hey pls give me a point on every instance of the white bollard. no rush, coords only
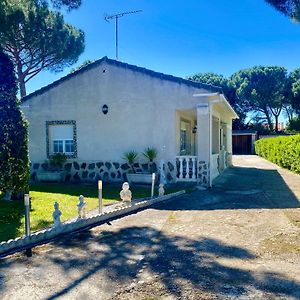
(100, 204)
(27, 215)
(152, 187)
(28, 251)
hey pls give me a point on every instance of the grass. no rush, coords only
(42, 198)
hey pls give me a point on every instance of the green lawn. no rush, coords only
(44, 195)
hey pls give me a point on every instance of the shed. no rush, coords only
(243, 141)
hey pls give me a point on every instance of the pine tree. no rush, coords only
(14, 162)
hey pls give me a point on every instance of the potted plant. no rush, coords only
(138, 176)
(53, 169)
(150, 154)
(131, 157)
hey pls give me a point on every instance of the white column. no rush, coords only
(203, 134)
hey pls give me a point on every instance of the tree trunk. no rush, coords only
(21, 79)
(276, 123)
(269, 121)
(22, 87)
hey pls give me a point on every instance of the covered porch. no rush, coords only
(204, 139)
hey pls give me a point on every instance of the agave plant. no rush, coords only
(130, 157)
(150, 153)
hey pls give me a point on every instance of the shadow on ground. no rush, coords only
(181, 262)
(240, 188)
(11, 214)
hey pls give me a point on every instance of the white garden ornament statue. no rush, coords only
(56, 215)
(81, 207)
(161, 190)
(161, 169)
(126, 194)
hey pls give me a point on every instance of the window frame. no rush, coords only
(49, 141)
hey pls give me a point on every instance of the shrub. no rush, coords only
(283, 151)
(294, 125)
(56, 162)
(14, 162)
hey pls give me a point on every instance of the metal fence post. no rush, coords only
(27, 221)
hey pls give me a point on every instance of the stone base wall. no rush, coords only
(92, 171)
(203, 173)
(229, 160)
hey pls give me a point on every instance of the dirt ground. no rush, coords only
(239, 240)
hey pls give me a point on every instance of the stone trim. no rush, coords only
(61, 122)
(228, 159)
(108, 171)
(45, 236)
(203, 173)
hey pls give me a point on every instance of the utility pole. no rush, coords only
(116, 18)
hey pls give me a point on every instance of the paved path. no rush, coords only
(240, 240)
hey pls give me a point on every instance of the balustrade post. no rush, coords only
(194, 168)
(180, 168)
(187, 173)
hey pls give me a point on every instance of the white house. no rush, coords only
(97, 113)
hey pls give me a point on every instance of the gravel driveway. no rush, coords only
(239, 240)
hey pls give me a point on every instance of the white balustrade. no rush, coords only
(186, 168)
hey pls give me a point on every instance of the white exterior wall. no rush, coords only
(141, 113)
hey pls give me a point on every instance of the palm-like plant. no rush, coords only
(150, 153)
(130, 157)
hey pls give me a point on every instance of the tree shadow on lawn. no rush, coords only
(11, 215)
(240, 188)
(118, 256)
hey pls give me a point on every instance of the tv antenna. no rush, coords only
(116, 18)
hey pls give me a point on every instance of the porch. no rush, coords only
(204, 141)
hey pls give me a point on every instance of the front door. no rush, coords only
(185, 137)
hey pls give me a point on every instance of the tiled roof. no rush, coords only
(125, 66)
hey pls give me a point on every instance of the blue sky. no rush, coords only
(185, 37)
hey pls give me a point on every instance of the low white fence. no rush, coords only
(44, 236)
(186, 168)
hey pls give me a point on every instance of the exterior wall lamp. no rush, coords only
(105, 109)
(194, 129)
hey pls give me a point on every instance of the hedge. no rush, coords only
(283, 151)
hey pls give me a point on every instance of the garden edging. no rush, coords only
(45, 236)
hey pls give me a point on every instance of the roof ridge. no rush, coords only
(124, 65)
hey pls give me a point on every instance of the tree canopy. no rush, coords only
(263, 90)
(228, 90)
(258, 94)
(290, 8)
(36, 39)
(70, 4)
(295, 90)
